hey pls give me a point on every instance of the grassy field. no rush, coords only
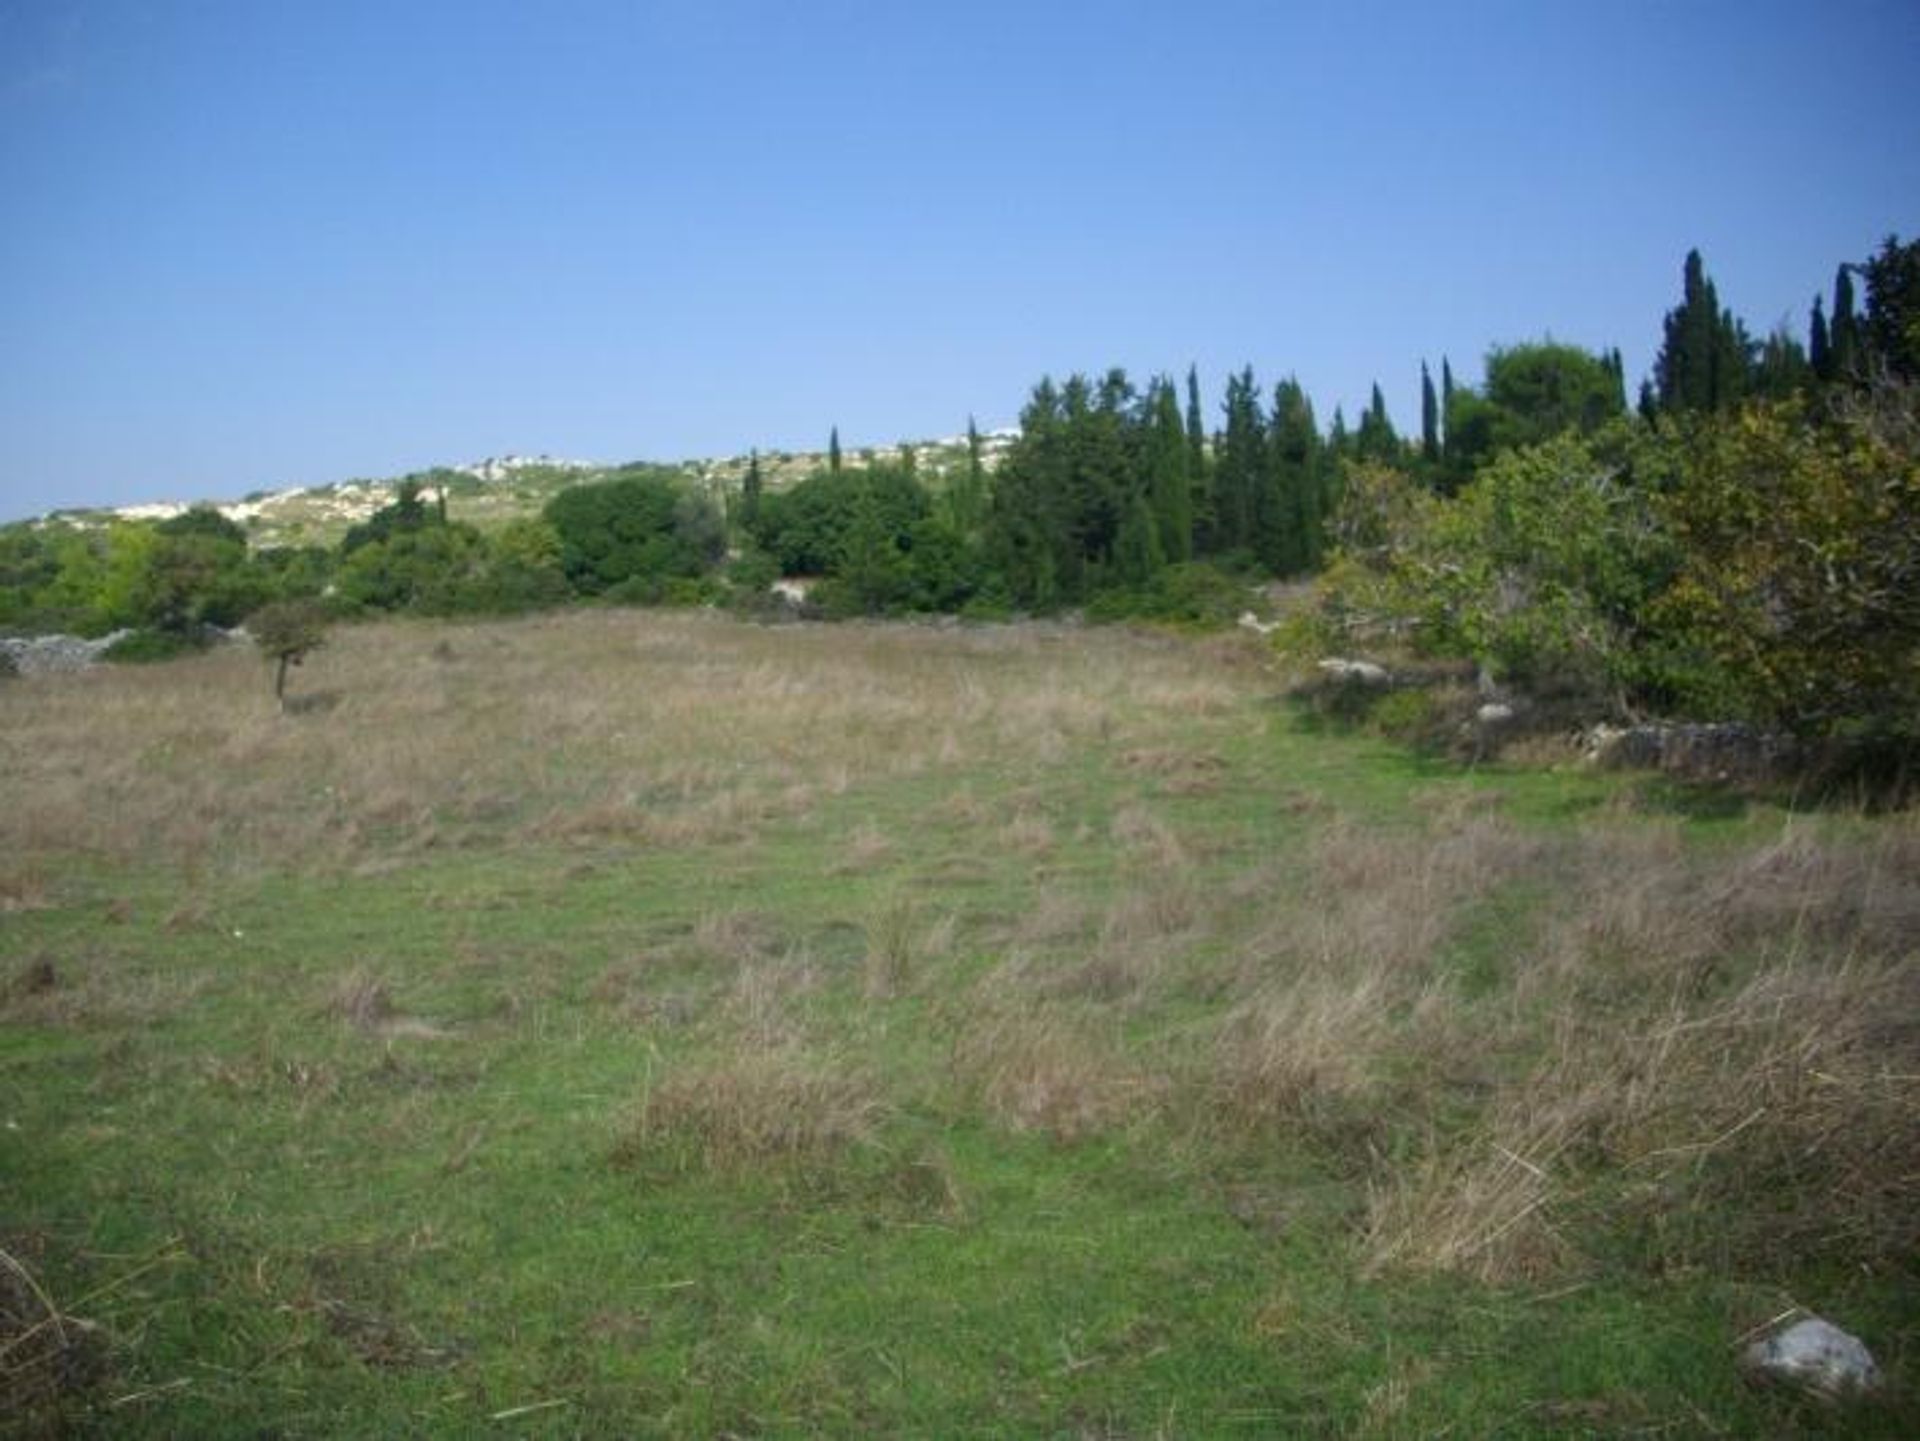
(648, 1024)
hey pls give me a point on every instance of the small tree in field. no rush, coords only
(285, 632)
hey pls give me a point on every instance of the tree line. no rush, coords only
(1537, 523)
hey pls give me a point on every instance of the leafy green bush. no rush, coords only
(1800, 575)
(140, 647)
(1192, 593)
(625, 537)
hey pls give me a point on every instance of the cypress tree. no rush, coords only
(1619, 369)
(1843, 334)
(1705, 354)
(1026, 523)
(1136, 552)
(1241, 465)
(1819, 346)
(1300, 474)
(1782, 369)
(750, 495)
(1429, 418)
(1199, 482)
(1377, 439)
(967, 502)
(833, 450)
(1196, 429)
(1890, 328)
(1168, 480)
(1446, 402)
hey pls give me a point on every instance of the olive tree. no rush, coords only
(286, 632)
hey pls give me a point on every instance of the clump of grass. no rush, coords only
(755, 1105)
(735, 938)
(1040, 1070)
(1736, 1125)
(761, 999)
(1303, 1052)
(900, 943)
(362, 1000)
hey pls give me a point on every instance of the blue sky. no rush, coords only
(249, 245)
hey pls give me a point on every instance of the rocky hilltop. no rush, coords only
(498, 489)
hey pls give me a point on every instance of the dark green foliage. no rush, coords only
(636, 528)
(197, 580)
(807, 527)
(1376, 440)
(872, 565)
(1705, 357)
(1844, 329)
(1429, 419)
(1300, 477)
(1532, 393)
(1199, 482)
(1782, 369)
(833, 450)
(1195, 594)
(287, 632)
(148, 645)
(1169, 476)
(966, 497)
(407, 513)
(1892, 325)
(521, 572)
(293, 572)
(750, 491)
(1240, 469)
(432, 570)
(1819, 343)
(203, 521)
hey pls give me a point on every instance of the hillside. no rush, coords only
(497, 489)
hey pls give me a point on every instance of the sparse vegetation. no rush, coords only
(700, 1027)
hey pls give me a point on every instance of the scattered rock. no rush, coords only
(49, 654)
(1814, 1355)
(1494, 713)
(1250, 621)
(1360, 672)
(1706, 751)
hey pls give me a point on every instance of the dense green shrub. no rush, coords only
(1194, 594)
(139, 647)
(1800, 574)
(632, 534)
(810, 527)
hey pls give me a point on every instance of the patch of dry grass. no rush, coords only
(755, 1105)
(1726, 1057)
(646, 728)
(1042, 1068)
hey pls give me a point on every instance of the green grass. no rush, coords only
(375, 1140)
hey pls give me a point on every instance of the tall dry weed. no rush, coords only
(597, 727)
(1726, 1072)
(754, 1105)
(1040, 1068)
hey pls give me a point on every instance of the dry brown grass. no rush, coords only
(755, 1105)
(644, 728)
(1726, 1051)
(1042, 1068)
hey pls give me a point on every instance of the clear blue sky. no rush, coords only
(248, 245)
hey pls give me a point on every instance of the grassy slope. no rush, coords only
(704, 1028)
